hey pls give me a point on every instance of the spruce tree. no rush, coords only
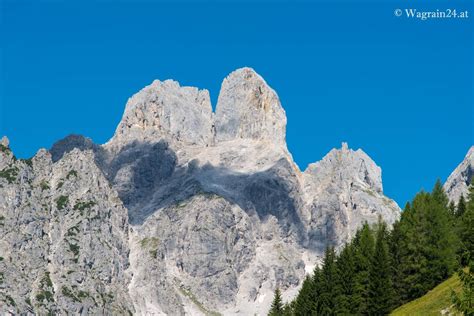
(428, 244)
(464, 301)
(364, 249)
(277, 305)
(317, 290)
(288, 309)
(345, 281)
(439, 195)
(380, 283)
(327, 298)
(395, 245)
(411, 261)
(442, 242)
(461, 208)
(306, 299)
(466, 230)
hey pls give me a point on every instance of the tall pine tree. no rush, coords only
(364, 249)
(380, 283)
(305, 303)
(327, 298)
(461, 208)
(395, 249)
(441, 237)
(466, 230)
(464, 301)
(277, 305)
(345, 282)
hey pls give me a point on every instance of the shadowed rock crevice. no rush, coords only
(138, 169)
(147, 178)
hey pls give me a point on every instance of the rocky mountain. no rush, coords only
(459, 181)
(183, 211)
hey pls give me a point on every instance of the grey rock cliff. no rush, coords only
(64, 237)
(458, 182)
(183, 211)
(248, 108)
(344, 190)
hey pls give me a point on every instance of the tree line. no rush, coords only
(382, 268)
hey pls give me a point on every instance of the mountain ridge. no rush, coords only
(214, 219)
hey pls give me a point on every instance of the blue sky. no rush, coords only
(401, 89)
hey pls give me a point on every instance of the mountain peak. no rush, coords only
(346, 164)
(458, 182)
(5, 141)
(167, 110)
(248, 108)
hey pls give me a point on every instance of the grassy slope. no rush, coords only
(433, 302)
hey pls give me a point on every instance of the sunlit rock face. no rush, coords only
(458, 182)
(183, 211)
(247, 108)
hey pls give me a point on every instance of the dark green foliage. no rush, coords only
(438, 194)
(10, 301)
(72, 231)
(427, 244)
(28, 162)
(72, 173)
(277, 305)
(395, 244)
(74, 249)
(4, 149)
(9, 174)
(364, 249)
(62, 201)
(306, 299)
(46, 289)
(345, 266)
(464, 302)
(68, 293)
(288, 309)
(380, 282)
(46, 280)
(84, 205)
(466, 227)
(461, 208)
(44, 185)
(328, 283)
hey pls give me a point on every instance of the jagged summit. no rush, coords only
(348, 165)
(458, 182)
(5, 141)
(247, 108)
(166, 110)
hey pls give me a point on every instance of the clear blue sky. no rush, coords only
(400, 89)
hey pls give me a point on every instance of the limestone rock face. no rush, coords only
(344, 190)
(183, 211)
(248, 108)
(458, 182)
(167, 110)
(63, 238)
(5, 141)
